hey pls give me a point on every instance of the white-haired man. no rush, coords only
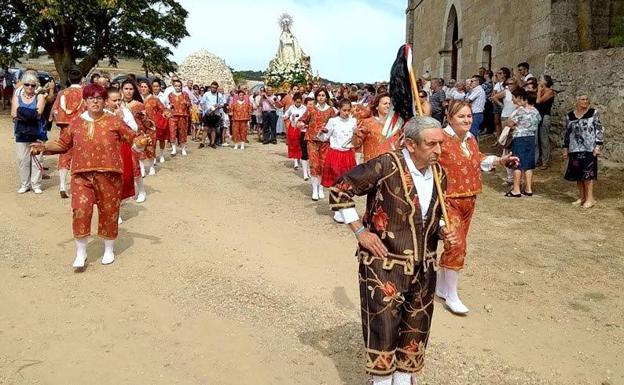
(397, 241)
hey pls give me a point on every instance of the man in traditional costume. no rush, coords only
(67, 106)
(397, 242)
(398, 235)
(96, 170)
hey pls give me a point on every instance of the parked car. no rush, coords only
(122, 77)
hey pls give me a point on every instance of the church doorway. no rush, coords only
(452, 44)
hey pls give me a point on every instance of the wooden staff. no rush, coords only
(436, 176)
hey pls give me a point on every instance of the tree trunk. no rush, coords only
(63, 61)
(585, 33)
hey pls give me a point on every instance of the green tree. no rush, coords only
(91, 30)
(617, 38)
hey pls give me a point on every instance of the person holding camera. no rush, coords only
(211, 105)
(270, 104)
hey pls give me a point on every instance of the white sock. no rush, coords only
(63, 178)
(440, 283)
(109, 254)
(296, 163)
(140, 186)
(451, 278)
(109, 244)
(142, 168)
(305, 165)
(242, 145)
(401, 378)
(81, 247)
(382, 380)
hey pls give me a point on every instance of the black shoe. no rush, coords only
(266, 142)
(201, 145)
(64, 195)
(274, 142)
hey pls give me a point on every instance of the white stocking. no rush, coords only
(142, 167)
(63, 179)
(402, 378)
(81, 247)
(382, 380)
(451, 278)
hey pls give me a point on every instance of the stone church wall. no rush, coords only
(517, 30)
(600, 73)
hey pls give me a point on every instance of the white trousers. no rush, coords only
(29, 173)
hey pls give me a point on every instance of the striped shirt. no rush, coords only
(477, 97)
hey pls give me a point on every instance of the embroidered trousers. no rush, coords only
(95, 188)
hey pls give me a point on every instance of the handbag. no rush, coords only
(506, 137)
(27, 123)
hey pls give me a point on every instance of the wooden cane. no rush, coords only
(436, 175)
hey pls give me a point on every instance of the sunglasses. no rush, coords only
(29, 85)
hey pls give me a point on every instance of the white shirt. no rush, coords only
(340, 131)
(295, 113)
(128, 118)
(422, 182)
(164, 99)
(169, 90)
(487, 164)
(454, 93)
(527, 77)
(508, 104)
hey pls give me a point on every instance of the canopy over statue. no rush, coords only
(291, 65)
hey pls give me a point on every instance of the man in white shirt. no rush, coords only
(170, 89)
(523, 71)
(211, 106)
(477, 96)
(397, 244)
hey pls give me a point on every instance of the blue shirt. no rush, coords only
(212, 102)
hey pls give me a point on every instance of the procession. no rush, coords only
(190, 226)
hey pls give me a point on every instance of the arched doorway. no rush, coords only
(450, 54)
(452, 29)
(486, 57)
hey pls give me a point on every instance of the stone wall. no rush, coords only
(517, 31)
(564, 23)
(600, 73)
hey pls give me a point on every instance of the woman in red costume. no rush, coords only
(316, 118)
(463, 162)
(96, 170)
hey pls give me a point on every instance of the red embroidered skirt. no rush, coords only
(336, 164)
(292, 140)
(127, 162)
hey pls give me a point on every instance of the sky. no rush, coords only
(347, 40)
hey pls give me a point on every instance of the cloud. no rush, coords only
(347, 40)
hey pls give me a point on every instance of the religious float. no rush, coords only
(291, 65)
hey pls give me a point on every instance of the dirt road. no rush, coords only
(230, 274)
